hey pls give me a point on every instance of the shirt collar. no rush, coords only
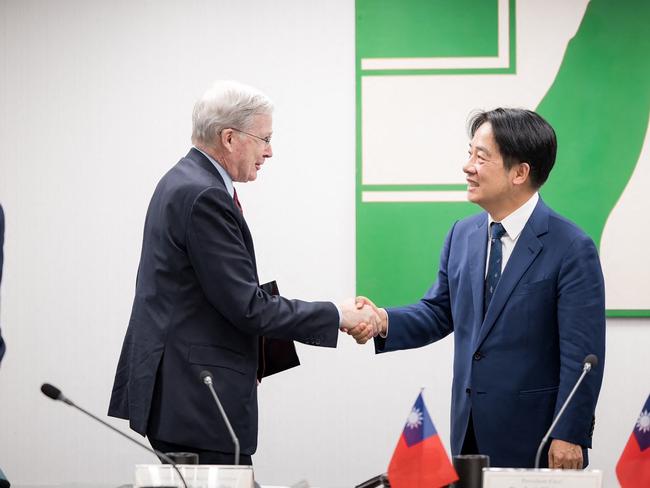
(224, 174)
(516, 221)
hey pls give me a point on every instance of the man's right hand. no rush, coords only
(364, 331)
(359, 321)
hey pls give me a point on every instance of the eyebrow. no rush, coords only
(482, 149)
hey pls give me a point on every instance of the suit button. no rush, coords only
(478, 356)
(468, 391)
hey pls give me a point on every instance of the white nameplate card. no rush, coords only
(196, 476)
(539, 478)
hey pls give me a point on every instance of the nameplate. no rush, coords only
(541, 478)
(196, 476)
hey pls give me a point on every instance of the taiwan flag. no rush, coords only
(420, 459)
(633, 468)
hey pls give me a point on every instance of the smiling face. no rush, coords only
(247, 152)
(489, 183)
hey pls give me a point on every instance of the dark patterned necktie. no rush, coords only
(494, 264)
(237, 202)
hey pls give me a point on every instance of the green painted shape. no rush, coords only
(601, 95)
(511, 69)
(441, 187)
(399, 245)
(426, 28)
(628, 313)
(441, 72)
(599, 105)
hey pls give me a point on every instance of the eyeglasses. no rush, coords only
(265, 140)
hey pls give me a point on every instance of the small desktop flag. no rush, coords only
(633, 468)
(420, 459)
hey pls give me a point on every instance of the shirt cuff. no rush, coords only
(385, 334)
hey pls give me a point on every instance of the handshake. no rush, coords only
(361, 319)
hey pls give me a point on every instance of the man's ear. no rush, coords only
(522, 173)
(226, 138)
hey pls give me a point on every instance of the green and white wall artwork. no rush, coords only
(422, 66)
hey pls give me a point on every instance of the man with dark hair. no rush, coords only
(522, 289)
(521, 135)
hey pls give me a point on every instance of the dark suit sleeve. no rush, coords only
(227, 274)
(581, 325)
(424, 322)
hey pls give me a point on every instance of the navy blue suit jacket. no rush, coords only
(514, 367)
(198, 306)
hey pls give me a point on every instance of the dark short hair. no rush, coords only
(522, 136)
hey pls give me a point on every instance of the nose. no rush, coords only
(268, 151)
(468, 167)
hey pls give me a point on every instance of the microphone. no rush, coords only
(54, 393)
(588, 363)
(376, 482)
(4, 482)
(206, 378)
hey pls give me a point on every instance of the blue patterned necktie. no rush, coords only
(494, 264)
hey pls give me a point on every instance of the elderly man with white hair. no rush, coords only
(198, 303)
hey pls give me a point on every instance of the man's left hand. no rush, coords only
(564, 455)
(359, 320)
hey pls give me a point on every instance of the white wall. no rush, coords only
(95, 102)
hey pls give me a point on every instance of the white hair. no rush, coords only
(227, 104)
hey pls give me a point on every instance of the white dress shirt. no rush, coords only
(513, 225)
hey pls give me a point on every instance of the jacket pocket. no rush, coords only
(533, 391)
(217, 356)
(542, 286)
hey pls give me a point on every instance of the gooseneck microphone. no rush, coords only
(54, 393)
(4, 482)
(590, 362)
(206, 378)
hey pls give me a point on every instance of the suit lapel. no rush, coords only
(525, 252)
(477, 246)
(199, 158)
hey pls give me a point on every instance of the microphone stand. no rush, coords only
(585, 369)
(55, 394)
(206, 377)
